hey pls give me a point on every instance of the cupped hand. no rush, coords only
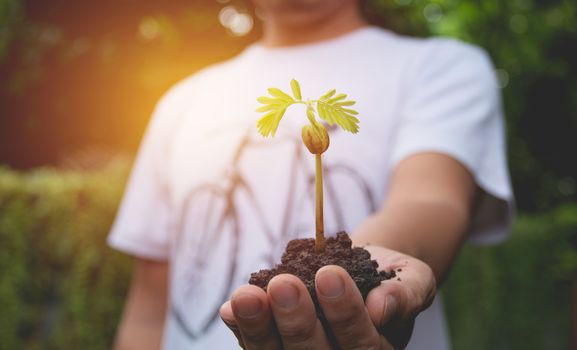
(284, 316)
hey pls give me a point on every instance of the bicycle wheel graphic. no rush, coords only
(202, 279)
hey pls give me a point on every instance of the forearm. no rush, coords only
(142, 334)
(431, 231)
(426, 213)
(142, 323)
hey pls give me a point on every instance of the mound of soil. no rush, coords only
(301, 260)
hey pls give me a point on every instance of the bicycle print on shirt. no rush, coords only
(215, 208)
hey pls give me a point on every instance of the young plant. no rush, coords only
(330, 107)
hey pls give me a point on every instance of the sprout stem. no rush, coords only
(320, 236)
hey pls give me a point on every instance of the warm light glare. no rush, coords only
(226, 15)
(241, 24)
(236, 22)
(149, 28)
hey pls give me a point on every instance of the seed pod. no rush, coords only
(316, 138)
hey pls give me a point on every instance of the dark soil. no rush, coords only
(301, 260)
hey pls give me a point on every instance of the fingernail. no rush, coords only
(284, 295)
(330, 284)
(390, 307)
(246, 305)
(230, 324)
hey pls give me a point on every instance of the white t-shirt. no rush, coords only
(216, 200)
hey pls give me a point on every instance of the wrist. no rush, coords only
(378, 231)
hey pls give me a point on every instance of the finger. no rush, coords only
(390, 311)
(295, 314)
(394, 304)
(228, 318)
(345, 310)
(254, 318)
(414, 286)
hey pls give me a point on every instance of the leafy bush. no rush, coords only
(533, 46)
(517, 295)
(61, 287)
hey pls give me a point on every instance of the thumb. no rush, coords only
(393, 312)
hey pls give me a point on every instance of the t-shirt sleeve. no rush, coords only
(143, 221)
(453, 107)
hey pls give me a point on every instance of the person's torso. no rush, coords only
(238, 198)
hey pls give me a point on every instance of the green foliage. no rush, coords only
(9, 17)
(532, 44)
(331, 109)
(517, 295)
(61, 287)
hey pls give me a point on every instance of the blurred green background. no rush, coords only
(80, 78)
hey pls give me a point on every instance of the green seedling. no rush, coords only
(330, 107)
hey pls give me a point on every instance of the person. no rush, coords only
(209, 201)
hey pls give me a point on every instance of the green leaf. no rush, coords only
(296, 88)
(268, 100)
(280, 95)
(274, 107)
(328, 94)
(311, 114)
(333, 113)
(337, 98)
(349, 111)
(317, 127)
(323, 114)
(346, 103)
(268, 124)
(330, 107)
(267, 108)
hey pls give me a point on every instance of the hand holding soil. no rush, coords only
(284, 316)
